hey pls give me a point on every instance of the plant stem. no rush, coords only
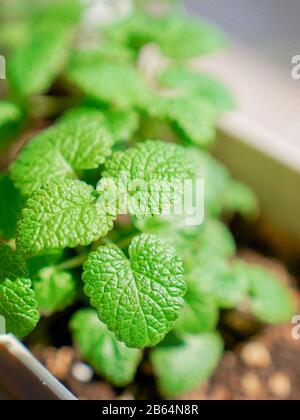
(11, 243)
(72, 263)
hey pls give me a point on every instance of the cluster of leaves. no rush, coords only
(151, 281)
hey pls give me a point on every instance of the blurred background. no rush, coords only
(269, 27)
(265, 128)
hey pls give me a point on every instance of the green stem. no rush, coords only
(11, 243)
(72, 263)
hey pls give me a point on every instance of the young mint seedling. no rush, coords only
(96, 115)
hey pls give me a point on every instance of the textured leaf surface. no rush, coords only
(60, 152)
(271, 301)
(139, 299)
(63, 214)
(54, 290)
(11, 204)
(184, 364)
(116, 83)
(35, 64)
(197, 84)
(18, 306)
(12, 265)
(98, 346)
(200, 313)
(154, 172)
(193, 117)
(120, 124)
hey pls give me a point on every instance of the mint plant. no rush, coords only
(134, 281)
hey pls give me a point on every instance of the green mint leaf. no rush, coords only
(211, 239)
(183, 37)
(150, 163)
(184, 364)
(107, 51)
(162, 225)
(110, 358)
(216, 178)
(197, 84)
(239, 198)
(194, 244)
(178, 37)
(64, 12)
(12, 33)
(222, 193)
(54, 290)
(216, 240)
(66, 213)
(61, 151)
(11, 204)
(217, 278)
(200, 312)
(111, 51)
(115, 83)
(18, 306)
(34, 65)
(271, 301)
(138, 299)
(120, 124)
(192, 117)
(12, 265)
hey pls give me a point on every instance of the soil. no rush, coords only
(265, 368)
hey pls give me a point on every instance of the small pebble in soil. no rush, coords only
(126, 396)
(280, 385)
(256, 355)
(59, 361)
(82, 372)
(251, 385)
(219, 393)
